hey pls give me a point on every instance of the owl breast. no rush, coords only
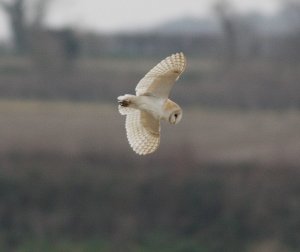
(151, 104)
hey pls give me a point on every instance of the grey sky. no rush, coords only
(114, 15)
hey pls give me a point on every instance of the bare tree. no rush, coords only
(15, 12)
(39, 13)
(20, 27)
(225, 13)
(291, 14)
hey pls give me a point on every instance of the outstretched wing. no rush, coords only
(160, 79)
(143, 131)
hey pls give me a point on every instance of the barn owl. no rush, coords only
(150, 105)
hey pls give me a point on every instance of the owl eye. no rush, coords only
(175, 117)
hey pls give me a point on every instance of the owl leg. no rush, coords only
(125, 100)
(124, 103)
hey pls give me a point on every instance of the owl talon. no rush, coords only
(124, 103)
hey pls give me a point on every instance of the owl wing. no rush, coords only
(160, 79)
(143, 131)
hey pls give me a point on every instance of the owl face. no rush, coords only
(173, 113)
(175, 116)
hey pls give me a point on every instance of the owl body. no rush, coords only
(150, 105)
(159, 108)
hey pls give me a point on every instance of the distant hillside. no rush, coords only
(189, 25)
(262, 24)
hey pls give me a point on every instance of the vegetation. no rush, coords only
(69, 181)
(250, 85)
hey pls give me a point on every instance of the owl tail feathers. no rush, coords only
(124, 104)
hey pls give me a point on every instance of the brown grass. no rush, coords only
(212, 135)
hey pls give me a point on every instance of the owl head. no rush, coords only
(175, 116)
(173, 113)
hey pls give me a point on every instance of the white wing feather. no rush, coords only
(143, 132)
(125, 110)
(160, 79)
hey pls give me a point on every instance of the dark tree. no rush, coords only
(15, 12)
(225, 14)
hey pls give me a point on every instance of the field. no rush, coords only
(70, 182)
(226, 178)
(212, 135)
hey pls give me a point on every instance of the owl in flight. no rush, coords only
(151, 104)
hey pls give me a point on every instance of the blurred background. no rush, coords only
(225, 179)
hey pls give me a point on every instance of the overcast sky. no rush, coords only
(115, 15)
